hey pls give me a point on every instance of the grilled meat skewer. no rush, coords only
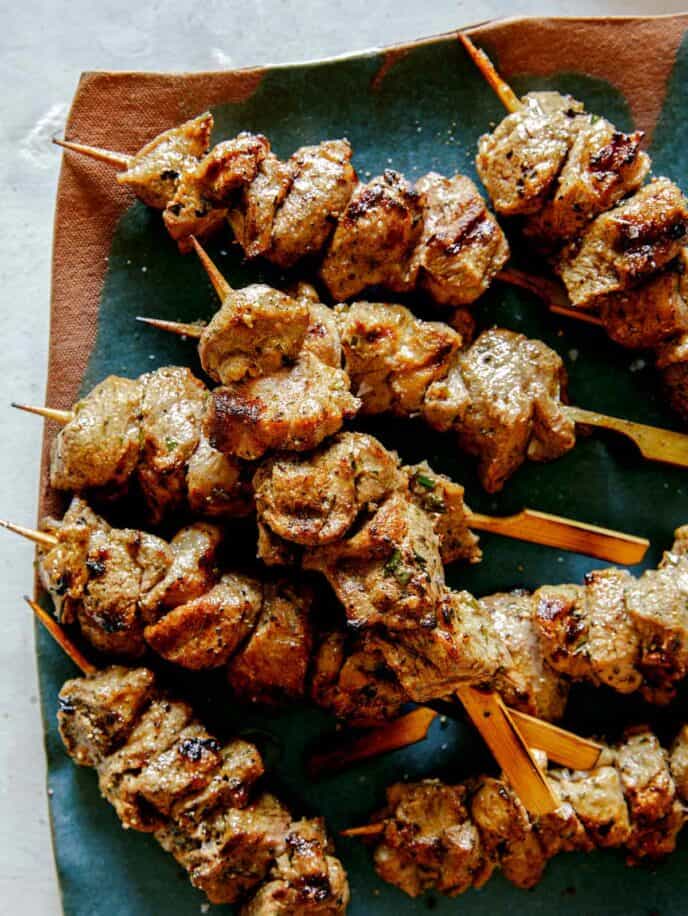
(436, 236)
(165, 774)
(453, 837)
(619, 247)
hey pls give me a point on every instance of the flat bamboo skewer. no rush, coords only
(61, 638)
(502, 89)
(119, 160)
(42, 538)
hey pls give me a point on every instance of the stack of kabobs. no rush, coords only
(272, 442)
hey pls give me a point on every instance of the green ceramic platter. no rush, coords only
(427, 114)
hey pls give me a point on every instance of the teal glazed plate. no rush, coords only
(415, 108)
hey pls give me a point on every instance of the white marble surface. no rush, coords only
(44, 45)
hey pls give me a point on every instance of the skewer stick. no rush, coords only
(561, 746)
(490, 716)
(49, 413)
(174, 327)
(118, 160)
(220, 285)
(502, 89)
(655, 444)
(551, 294)
(402, 732)
(365, 830)
(566, 534)
(31, 534)
(61, 638)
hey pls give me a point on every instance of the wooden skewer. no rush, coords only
(31, 534)
(564, 533)
(551, 294)
(502, 89)
(490, 716)
(174, 327)
(561, 746)
(118, 160)
(220, 285)
(49, 413)
(365, 830)
(402, 732)
(61, 638)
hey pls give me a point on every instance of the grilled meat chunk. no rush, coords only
(99, 448)
(520, 160)
(598, 799)
(603, 165)
(388, 572)
(375, 238)
(429, 840)
(98, 575)
(257, 331)
(626, 245)
(293, 409)
(321, 185)
(673, 363)
(218, 485)
(153, 174)
(462, 246)
(526, 680)
(503, 397)
(315, 499)
(274, 662)
(391, 356)
(206, 631)
(252, 213)
(650, 314)
(442, 500)
(678, 763)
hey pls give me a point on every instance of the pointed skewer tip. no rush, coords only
(174, 327)
(220, 285)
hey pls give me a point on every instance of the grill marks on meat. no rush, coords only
(435, 235)
(631, 800)
(147, 432)
(164, 773)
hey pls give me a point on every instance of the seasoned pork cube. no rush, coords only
(673, 363)
(392, 356)
(375, 238)
(354, 682)
(526, 681)
(97, 714)
(206, 631)
(520, 160)
(191, 573)
(431, 662)
(322, 333)
(274, 550)
(153, 173)
(507, 833)
(598, 799)
(626, 245)
(99, 448)
(462, 246)
(174, 402)
(322, 182)
(563, 620)
(252, 214)
(514, 408)
(257, 331)
(293, 409)
(305, 878)
(679, 763)
(218, 485)
(442, 500)
(429, 840)
(613, 641)
(389, 572)
(274, 662)
(315, 499)
(603, 165)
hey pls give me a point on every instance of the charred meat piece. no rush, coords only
(321, 185)
(292, 409)
(462, 246)
(206, 631)
(526, 680)
(274, 662)
(315, 499)
(678, 763)
(442, 500)
(218, 485)
(252, 214)
(391, 356)
(389, 572)
(626, 245)
(520, 160)
(597, 798)
(99, 448)
(257, 331)
(153, 174)
(673, 363)
(603, 165)
(375, 238)
(98, 575)
(429, 839)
